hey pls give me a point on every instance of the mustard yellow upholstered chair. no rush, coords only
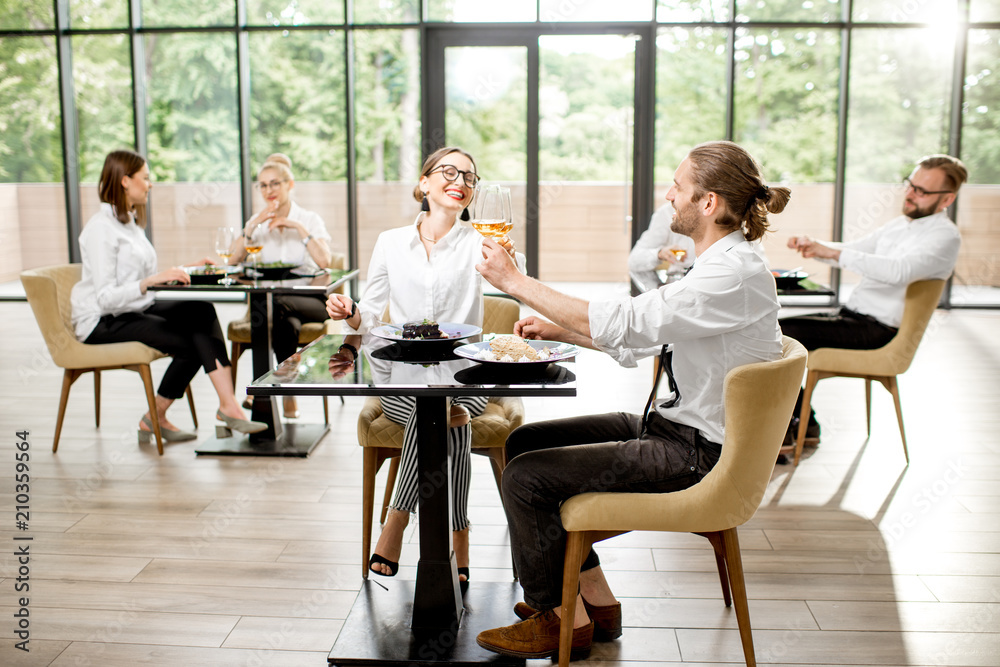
(48, 291)
(758, 399)
(882, 365)
(382, 438)
(239, 332)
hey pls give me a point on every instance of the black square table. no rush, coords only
(427, 622)
(645, 281)
(279, 439)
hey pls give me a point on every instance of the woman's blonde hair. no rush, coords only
(280, 163)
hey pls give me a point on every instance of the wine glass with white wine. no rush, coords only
(492, 211)
(225, 239)
(254, 242)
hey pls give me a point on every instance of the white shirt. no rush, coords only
(645, 253)
(285, 245)
(895, 255)
(444, 288)
(722, 314)
(116, 258)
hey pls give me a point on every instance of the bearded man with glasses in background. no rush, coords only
(921, 244)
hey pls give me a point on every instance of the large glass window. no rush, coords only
(690, 95)
(595, 10)
(86, 14)
(299, 12)
(32, 203)
(786, 116)
(939, 12)
(900, 84)
(193, 142)
(187, 13)
(387, 132)
(788, 11)
(297, 108)
(977, 276)
(379, 11)
(693, 11)
(477, 11)
(27, 15)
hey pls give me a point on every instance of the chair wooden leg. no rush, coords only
(147, 382)
(720, 562)
(235, 351)
(893, 387)
(811, 379)
(571, 585)
(69, 377)
(326, 411)
(868, 405)
(498, 460)
(370, 469)
(97, 398)
(190, 397)
(390, 484)
(734, 563)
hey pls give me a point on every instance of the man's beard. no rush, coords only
(921, 211)
(685, 222)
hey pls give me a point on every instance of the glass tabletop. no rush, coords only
(385, 368)
(320, 282)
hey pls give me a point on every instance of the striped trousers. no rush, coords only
(402, 410)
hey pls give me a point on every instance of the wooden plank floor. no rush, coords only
(853, 558)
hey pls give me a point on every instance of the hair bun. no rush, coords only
(279, 158)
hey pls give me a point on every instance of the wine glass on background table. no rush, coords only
(492, 211)
(225, 239)
(254, 243)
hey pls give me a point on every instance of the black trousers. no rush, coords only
(289, 314)
(188, 331)
(841, 328)
(554, 460)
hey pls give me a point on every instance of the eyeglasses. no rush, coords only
(451, 173)
(270, 186)
(921, 192)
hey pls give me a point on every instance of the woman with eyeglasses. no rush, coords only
(427, 270)
(292, 236)
(112, 304)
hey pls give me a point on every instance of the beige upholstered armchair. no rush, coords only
(882, 365)
(759, 399)
(48, 291)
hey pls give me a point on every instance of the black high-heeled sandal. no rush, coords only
(379, 560)
(463, 585)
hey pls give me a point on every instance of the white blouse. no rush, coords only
(116, 258)
(445, 287)
(722, 314)
(285, 245)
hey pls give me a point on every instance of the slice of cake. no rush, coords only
(421, 329)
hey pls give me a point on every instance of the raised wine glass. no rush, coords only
(492, 211)
(225, 239)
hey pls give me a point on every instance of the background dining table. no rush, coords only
(279, 439)
(427, 621)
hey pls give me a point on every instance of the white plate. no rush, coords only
(451, 330)
(560, 352)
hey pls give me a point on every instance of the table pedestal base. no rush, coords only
(295, 440)
(378, 629)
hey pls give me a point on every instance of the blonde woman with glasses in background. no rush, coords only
(292, 236)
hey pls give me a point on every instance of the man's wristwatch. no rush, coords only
(307, 239)
(354, 309)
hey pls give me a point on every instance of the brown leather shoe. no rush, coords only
(536, 637)
(607, 620)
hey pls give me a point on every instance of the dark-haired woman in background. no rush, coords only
(111, 303)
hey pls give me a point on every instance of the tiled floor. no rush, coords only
(853, 558)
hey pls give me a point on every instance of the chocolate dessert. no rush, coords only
(421, 329)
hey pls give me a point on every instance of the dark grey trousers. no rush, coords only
(552, 461)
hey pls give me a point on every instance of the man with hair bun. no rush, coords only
(920, 244)
(722, 314)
